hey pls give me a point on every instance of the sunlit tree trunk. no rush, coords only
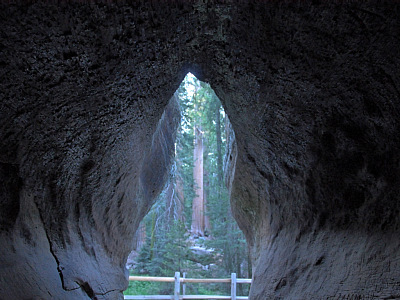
(197, 227)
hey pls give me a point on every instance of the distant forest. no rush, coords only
(190, 228)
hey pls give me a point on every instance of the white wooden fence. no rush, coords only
(177, 289)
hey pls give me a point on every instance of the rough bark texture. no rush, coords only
(313, 95)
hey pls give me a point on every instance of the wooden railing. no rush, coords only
(178, 280)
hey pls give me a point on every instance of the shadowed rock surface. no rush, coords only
(312, 92)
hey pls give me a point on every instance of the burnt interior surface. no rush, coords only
(312, 91)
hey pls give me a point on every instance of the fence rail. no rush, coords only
(178, 280)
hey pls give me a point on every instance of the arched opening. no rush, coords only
(190, 228)
(313, 95)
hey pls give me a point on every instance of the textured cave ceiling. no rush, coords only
(312, 91)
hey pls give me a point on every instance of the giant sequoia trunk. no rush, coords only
(312, 92)
(207, 224)
(198, 213)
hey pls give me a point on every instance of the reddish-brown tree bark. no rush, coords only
(197, 227)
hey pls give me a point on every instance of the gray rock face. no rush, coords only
(311, 91)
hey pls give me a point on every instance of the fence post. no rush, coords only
(233, 286)
(177, 285)
(184, 285)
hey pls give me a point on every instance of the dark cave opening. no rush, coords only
(312, 93)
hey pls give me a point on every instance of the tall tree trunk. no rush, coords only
(170, 204)
(197, 227)
(206, 183)
(180, 196)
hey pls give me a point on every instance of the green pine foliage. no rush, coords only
(167, 248)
